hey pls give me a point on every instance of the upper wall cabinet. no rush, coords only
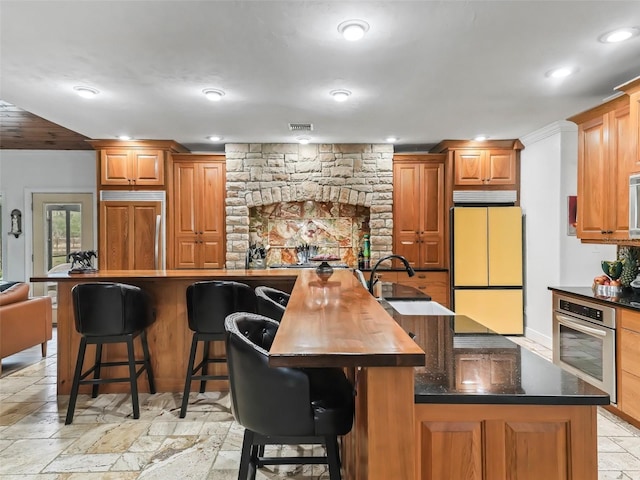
(131, 167)
(133, 164)
(604, 164)
(488, 165)
(632, 89)
(484, 167)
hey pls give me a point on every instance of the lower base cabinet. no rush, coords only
(629, 363)
(506, 442)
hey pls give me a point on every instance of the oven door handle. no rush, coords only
(581, 328)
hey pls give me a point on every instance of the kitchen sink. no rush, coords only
(419, 307)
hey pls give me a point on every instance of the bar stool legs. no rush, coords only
(79, 377)
(202, 367)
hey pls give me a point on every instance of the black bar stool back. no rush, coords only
(208, 304)
(272, 302)
(279, 405)
(108, 312)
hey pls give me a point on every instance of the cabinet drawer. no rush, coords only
(628, 394)
(630, 351)
(629, 319)
(435, 284)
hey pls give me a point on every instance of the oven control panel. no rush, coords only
(582, 310)
(589, 311)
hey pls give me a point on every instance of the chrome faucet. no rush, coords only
(373, 280)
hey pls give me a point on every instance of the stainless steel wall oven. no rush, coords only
(584, 341)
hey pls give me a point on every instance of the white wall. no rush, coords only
(24, 171)
(552, 257)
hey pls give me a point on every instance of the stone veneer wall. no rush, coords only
(262, 174)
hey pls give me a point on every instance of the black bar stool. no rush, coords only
(110, 313)
(278, 405)
(271, 302)
(208, 304)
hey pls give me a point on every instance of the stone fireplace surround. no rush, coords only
(263, 174)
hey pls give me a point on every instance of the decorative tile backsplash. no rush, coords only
(333, 177)
(335, 228)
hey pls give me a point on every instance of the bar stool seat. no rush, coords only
(208, 304)
(271, 302)
(279, 405)
(107, 312)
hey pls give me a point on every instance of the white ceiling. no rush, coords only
(425, 71)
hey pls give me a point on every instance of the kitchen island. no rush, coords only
(481, 408)
(169, 337)
(500, 410)
(447, 404)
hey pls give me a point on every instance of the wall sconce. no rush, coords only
(16, 223)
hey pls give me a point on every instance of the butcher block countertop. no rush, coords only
(338, 323)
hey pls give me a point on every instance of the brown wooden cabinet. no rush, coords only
(129, 235)
(484, 167)
(131, 167)
(632, 89)
(501, 442)
(604, 164)
(133, 163)
(435, 284)
(629, 363)
(419, 210)
(198, 185)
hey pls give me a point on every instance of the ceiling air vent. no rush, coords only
(301, 127)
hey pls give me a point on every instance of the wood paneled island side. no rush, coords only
(169, 337)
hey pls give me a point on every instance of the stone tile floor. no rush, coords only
(105, 443)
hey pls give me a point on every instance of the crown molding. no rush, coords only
(561, 126)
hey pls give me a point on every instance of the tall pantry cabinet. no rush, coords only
(198, 206)
(419, 210)
(132, 202)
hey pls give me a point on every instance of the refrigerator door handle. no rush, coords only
(157, 242)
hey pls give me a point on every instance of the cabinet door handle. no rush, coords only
(422, 276)
(421, 287)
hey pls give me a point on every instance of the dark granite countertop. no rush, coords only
(627, 299)
(468, 363)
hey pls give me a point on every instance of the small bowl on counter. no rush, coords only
(607, 291)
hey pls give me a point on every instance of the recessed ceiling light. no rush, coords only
(391, 139)
(620, 35)
(353, 30)
(561, 72)
(340, 95)
(303, 140)
(213, 94)
(124, 137)
(86, 92)
(214, 138)
(480, 138)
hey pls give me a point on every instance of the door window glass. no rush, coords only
(64, 228)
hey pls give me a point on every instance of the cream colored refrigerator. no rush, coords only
(487, 266)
